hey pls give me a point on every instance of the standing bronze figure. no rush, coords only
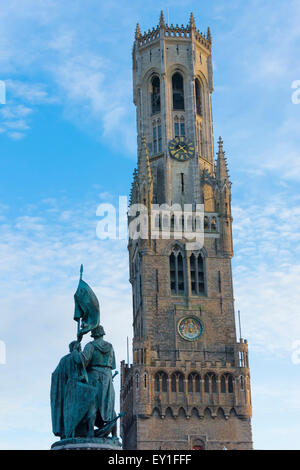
(82, 391)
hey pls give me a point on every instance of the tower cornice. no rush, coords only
(173, 33)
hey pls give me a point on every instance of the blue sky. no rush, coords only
(68, 143)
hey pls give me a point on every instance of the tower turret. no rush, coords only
(224, 192)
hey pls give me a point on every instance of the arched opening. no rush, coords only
(176, 273)
(179, 126)
(194, 383)
(155, 95)
(177, 382)
(197, 274)
(160, 382)
(223, 384)
(178, 93)
(157, 138)
(198, 97)
(210, 383)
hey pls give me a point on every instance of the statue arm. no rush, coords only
(84, 356)
(113, 362)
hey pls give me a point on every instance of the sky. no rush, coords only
(68, 144)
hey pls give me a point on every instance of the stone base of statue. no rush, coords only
(88, 443)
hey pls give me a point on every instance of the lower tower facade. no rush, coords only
(188, 386)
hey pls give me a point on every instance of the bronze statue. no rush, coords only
(82, 391)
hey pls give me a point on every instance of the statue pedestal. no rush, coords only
(88, 443)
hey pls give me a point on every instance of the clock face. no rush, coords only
(190, 328)
(181, 148)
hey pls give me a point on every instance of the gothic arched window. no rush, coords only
(223, 384)
(210, 383)
(194, 383)
(177, 382)
(155, 95)
(176, 273)
(197, 274)
(178, 93)
(179, 127)
(213, 224)
(160, 382)
(156, 133)
(198, 97)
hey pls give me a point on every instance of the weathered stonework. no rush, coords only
(207, 403)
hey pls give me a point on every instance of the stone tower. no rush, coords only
(189, 384)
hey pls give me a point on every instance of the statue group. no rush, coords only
(82, 391)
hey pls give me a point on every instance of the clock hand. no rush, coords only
(180, 148)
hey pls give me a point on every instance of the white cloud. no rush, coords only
(15, 117)
(74, 57)
(267, 273)
(34, 93)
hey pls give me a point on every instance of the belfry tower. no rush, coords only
(189, 384)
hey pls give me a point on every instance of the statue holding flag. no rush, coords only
(82, 391)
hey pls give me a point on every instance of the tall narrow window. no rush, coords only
(155, 95)
(179, 126)
(182, 127)
(194, 383)
(223, 384)
(159, 137)
(154, 139)
(177, 382)
(176, 273)
(160, 382)
(178, 94)
(210, 383)
(156, 133)
(198, 97)
(197, 274)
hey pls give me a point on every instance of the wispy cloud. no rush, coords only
(91, 87)
(23, 98)
(267, 276)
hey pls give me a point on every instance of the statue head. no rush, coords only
(74, 345)
(98, 332)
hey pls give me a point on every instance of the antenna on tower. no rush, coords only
(239, 314)
(168, 13)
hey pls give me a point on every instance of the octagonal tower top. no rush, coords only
(171, 31)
